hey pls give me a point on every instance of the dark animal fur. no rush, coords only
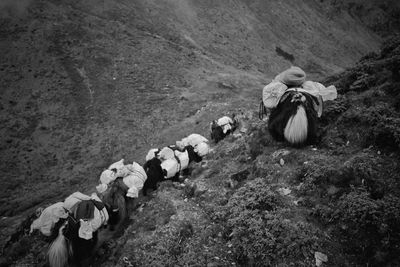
(80, 250)
(116, 203)
(154, 174)
(286, 109)
(193, 156)
(217, 132)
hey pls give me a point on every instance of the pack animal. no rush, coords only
(295, 118)
(156, 173)
(117, 203)
(222, 127)
(73, 244)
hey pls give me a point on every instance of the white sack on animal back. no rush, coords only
(272, 93)
(192, 140)
(166, 153)
(117, 165)
(88, 227)
(202, 149)
(171, 166)
(73, 199)
(152, 153)
(48, 218)
(317, 89)
(226, 123)
(107, 176)
(183, 158)
(135, 180)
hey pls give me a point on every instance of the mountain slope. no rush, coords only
(84, 83)
(257, 202)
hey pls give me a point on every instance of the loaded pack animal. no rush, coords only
(78, 233)
(222, 127)
(295, 118)
(156, 168)
(296, 105)
(122, 182)
(117, 203)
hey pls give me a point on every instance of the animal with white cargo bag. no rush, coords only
(169, 162)
(222, 127)
(295, 106)
(73, 227)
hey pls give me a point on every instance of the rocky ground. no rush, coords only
(84, 84)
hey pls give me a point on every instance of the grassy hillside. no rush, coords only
(86, 83)
(256, 202)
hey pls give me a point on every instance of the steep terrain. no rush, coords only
(256, 202)
(84, 84)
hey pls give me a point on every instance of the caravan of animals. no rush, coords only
(73, 226)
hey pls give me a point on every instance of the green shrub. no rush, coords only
(380, 124)
(369, 228)
(333, 109)
(367, 170)
(261, 233)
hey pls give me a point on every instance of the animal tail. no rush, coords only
(58, 251)
(296, 128)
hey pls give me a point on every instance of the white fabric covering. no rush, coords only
(183, 158)
(151, 154)
(135, 179)
(48, 218)
(193, 140)
(202, 149)
(51, 215)
(133, 176)
(273, 92)
(226, 123)
(166, 153)
(171, 166)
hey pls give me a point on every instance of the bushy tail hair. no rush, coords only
(58, 251)
(296, 129)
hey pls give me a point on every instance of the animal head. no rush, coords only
(300, 97)
(114, 200)
(213, 124)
